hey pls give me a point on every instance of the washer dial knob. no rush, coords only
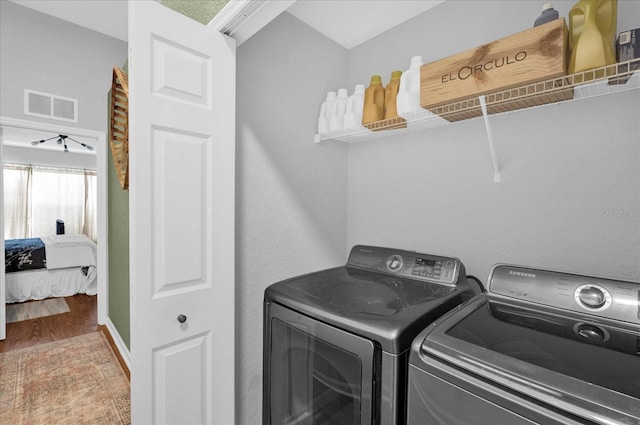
(593, 297)
(591, 333)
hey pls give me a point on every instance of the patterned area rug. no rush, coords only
(17, 312)
(73, 381)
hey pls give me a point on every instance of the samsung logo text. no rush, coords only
(522, 274)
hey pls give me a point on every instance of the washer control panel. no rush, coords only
(410, 264)
(614, 299)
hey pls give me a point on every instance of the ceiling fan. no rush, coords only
(62, 140)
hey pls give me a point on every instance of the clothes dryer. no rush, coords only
(337, 341)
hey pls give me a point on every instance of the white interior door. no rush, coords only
(182, 194)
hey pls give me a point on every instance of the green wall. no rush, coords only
(118, 234)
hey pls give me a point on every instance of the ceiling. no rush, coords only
(351, 23)
(105, 16)
(333, 18)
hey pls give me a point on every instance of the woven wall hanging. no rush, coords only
(119, 125)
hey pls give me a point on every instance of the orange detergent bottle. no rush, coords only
(592, 32)
(391, 95)
(373, 101)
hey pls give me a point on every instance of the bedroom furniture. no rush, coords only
(54, 266)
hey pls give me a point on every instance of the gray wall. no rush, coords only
(569, 196)
(46, 54)
(570, 192)
(291, 194)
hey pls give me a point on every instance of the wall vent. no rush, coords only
(51, 106)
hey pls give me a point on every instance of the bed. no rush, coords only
(52, 266)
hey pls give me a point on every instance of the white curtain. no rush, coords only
(52, 193)
(89, 222)
(17, 207)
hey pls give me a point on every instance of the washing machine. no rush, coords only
(540, 347)
(337, 341)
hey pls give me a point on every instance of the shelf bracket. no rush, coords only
(494, 157)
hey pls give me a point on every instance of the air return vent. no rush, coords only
(51, 106)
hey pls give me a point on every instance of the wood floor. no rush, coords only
(81, 319)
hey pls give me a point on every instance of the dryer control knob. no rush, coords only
(592, 296)
(394, 263)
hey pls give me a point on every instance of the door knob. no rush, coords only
(182, 318)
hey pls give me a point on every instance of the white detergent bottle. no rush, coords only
(408, 99)
(326, 110)
(355, 105)
(336, 120)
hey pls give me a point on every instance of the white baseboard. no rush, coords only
(120, 345)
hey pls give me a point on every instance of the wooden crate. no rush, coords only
(530, 56)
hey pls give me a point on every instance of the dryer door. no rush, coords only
(315, 373)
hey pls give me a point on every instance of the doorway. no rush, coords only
(99, 141)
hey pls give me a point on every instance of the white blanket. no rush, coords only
(42, 283)
(64, 251)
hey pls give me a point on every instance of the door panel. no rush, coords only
(180, 72)
(182, 403)
(182, 194)
(178, 209)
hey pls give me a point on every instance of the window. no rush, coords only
(35, 197)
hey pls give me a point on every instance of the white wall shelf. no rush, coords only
(596, 82)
